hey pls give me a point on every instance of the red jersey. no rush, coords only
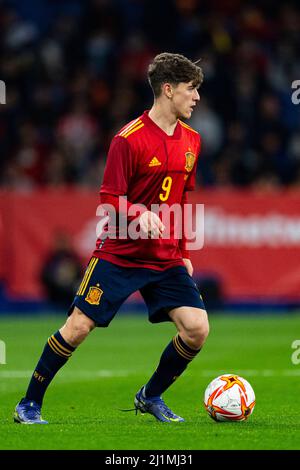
(149, 167)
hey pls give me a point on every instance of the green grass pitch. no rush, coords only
(82, 404)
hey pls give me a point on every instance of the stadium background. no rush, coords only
(75, 72)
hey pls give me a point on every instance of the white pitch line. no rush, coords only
(103, 373)
(24, 374)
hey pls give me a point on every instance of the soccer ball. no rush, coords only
(229, 397)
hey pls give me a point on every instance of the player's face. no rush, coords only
(184, 98)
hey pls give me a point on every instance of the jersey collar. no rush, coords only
(148, 121)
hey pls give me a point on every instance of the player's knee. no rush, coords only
(196, 331)
(77, 328)
(198, 336)
(80, 332)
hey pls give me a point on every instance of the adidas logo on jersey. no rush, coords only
(154, 162)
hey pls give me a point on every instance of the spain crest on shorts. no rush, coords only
(94, 295)
(189, 161)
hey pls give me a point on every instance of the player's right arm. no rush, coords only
(151, 224)
(120, 167)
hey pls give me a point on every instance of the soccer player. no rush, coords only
(152, 160)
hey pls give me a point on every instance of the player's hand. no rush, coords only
(151, 225)
(188, 265)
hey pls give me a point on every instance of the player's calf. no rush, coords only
(57, 351)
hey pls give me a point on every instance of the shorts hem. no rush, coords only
(161, 315)
(98, 325)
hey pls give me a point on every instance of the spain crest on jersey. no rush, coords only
(94, 295)
(189, 161)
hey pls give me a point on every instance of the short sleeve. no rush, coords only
(119, 167)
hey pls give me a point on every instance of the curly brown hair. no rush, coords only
(174, 69)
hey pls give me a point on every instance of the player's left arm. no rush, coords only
(189, 186)
(188, 265)
(183, 241)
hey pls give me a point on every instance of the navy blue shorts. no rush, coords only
(105, 287)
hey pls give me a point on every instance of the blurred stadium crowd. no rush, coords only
(75, 72)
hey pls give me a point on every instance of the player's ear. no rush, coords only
(168, 90)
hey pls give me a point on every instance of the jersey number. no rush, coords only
(166, 186)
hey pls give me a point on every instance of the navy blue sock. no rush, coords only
(173, 362)
(55, 354)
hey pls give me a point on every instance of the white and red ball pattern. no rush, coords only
(229, 397)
